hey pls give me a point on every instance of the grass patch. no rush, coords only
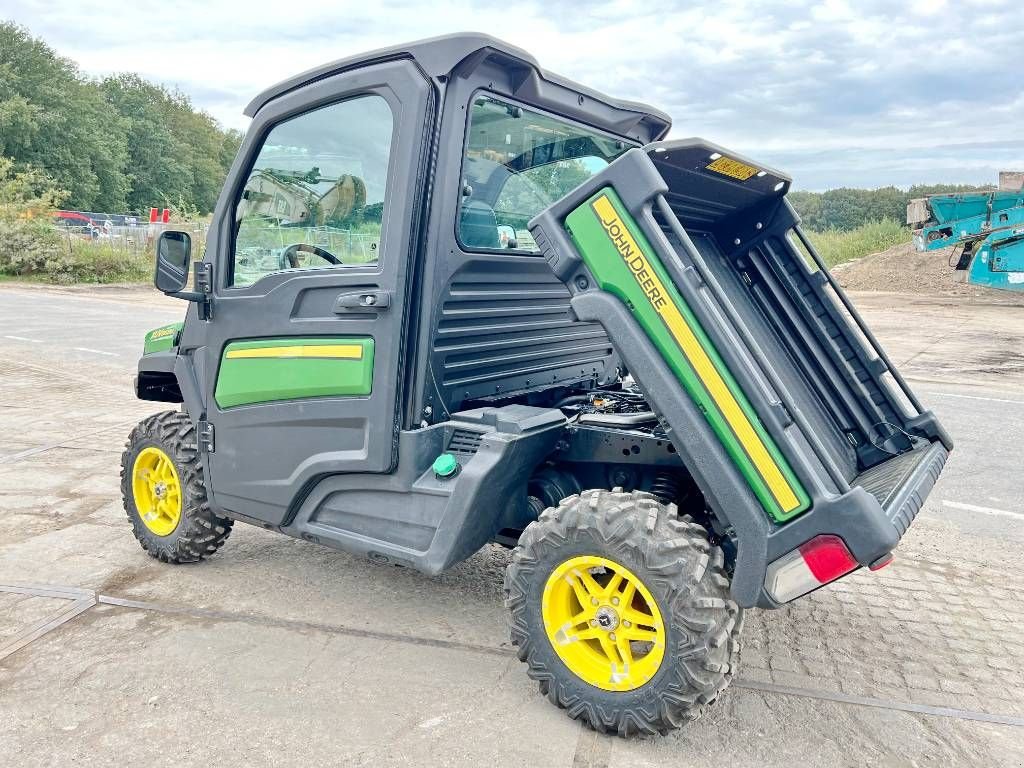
(66, 261)
(6, 278)
(836, 246)
(89, 261)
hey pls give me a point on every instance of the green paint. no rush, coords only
(445, 465)
(246, 380)
(161, 339)
(614, 276)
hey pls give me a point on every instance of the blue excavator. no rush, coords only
(986, 227)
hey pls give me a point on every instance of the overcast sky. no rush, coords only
(836, 93)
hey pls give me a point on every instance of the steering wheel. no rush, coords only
(290, 255)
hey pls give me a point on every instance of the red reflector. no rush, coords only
(827, 558)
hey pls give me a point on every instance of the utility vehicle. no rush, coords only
(449, 299)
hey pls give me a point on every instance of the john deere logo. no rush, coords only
(726, 402)
(627, 247)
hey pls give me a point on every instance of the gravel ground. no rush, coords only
(280, 652)
(903, 269)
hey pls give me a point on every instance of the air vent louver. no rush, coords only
(465, 442)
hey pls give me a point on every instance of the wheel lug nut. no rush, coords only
(595, 601)
(593, 622)
(626, 624)
(615, 601)
(611, 635)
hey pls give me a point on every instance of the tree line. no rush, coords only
(125, 144)
(845, 208)
(116, 144)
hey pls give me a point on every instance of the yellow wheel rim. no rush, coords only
(603, 623)
(157, 491)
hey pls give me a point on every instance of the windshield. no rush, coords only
(517, 163)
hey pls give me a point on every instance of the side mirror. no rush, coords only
(173, 257)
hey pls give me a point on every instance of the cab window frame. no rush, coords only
(255, 149)
(627, 143)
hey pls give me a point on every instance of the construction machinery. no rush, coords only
(984, 230)
(616, 355)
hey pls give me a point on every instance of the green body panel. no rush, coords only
(161, 339)
(250, 380)
(614, 276)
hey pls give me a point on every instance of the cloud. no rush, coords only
(834, 92)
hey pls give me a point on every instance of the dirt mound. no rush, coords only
(904, 269)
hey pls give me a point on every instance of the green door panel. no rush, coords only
(624, 264)
(267, 370)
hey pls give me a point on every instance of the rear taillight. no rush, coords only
(816, 562)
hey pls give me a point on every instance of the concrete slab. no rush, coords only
(933, 339)
(20, 612)
(137, 688)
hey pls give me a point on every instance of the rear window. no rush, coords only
(517, 163)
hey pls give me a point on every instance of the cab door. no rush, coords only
(300, 359)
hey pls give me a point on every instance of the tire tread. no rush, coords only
(201, 532)
(677, 557)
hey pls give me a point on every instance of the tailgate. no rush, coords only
(783, 405)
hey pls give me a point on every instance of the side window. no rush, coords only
(517, 162)
(315, 195)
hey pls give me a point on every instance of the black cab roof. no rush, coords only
(439, 56)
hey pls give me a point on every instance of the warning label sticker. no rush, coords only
(734, 169)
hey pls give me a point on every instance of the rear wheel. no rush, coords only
(622, 612)
(164, 491)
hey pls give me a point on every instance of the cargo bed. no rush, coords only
(778, 398)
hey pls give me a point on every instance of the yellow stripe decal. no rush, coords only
(702, 364)
(336, 351)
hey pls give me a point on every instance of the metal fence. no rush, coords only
(127, 238)
(352, 247)
(258, 239)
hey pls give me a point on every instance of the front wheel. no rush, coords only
(622, 612)
(164, 491)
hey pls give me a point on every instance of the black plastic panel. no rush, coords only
(797, 376)
(787, 312)
(504, 326)
(883, 480)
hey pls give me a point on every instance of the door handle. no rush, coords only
(362, 301)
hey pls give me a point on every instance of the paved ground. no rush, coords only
(281, 652)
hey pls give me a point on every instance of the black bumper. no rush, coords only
(873, 516)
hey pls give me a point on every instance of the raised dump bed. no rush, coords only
(780, 400)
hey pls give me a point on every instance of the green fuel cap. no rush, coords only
(446, 465)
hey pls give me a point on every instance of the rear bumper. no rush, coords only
(872, 517)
